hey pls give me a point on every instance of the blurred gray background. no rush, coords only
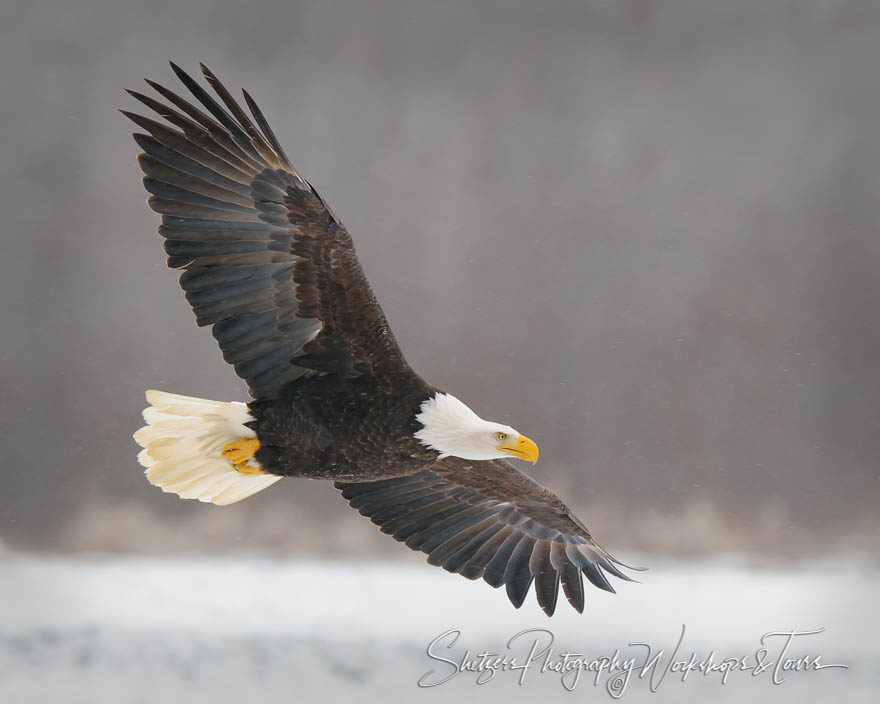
(646, 234)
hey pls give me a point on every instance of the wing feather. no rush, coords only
(546, 577)
(486, 519)
(265, 262)
(517, 575)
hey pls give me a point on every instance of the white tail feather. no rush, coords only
(182, 443)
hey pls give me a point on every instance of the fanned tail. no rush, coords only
(182, 442)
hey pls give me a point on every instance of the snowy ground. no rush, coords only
(93, 629)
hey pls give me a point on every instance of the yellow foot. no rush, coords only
(239, 452)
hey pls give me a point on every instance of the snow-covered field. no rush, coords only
(101, 629)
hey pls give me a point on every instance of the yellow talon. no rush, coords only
(246, 468)
(239, 452)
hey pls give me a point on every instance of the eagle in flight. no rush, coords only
(268, 266)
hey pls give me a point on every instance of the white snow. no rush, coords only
(95, 629)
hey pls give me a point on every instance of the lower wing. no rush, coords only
(486, 519)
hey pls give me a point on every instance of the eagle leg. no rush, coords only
(239, 452)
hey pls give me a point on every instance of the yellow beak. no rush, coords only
(524, 449)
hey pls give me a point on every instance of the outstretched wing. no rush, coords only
(486, 519)
(266, 263)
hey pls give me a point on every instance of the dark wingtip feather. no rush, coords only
(210, 104)
(517, 590)
(267, 131)
(180, 73)
(518, 576)
(549, 607)
(134, 117)
(547, 589)
(629, 567)
(605, 561)
(598, 578)
(621, 575)
(573, 586)
(257, 138)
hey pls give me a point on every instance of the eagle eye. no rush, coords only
(501, 437)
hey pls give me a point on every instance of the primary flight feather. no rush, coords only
(269, 267)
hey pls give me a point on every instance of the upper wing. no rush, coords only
(486, 519)
(266, 262)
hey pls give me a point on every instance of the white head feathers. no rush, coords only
(451, 428)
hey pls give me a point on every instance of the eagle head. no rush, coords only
(453, 429)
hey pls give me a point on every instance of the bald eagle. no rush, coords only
(273, 272)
